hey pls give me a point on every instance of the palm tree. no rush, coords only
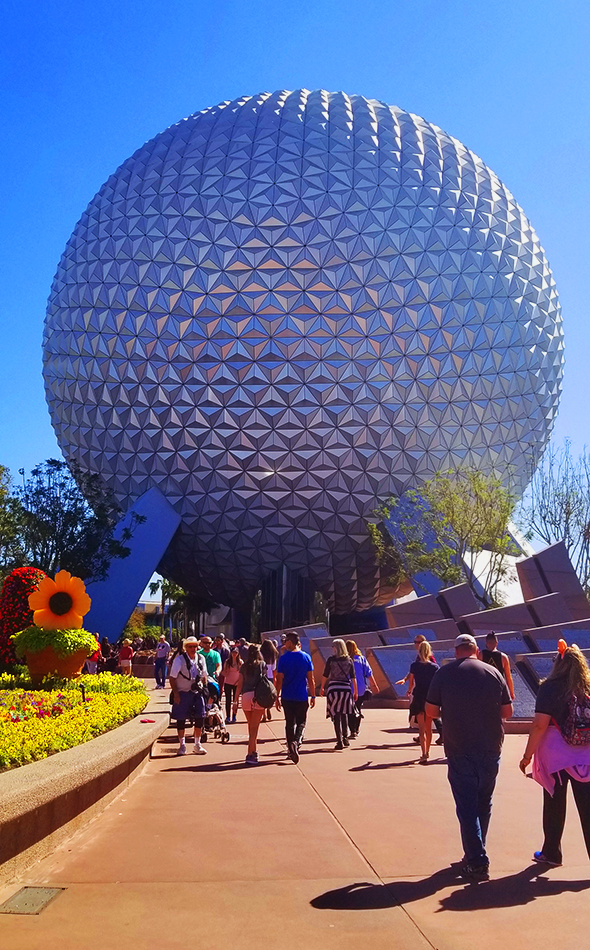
(171, 593)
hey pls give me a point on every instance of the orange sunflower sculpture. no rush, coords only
(60, 604)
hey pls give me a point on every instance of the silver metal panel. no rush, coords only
(286, 307)
(30, 900)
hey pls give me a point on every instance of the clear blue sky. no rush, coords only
(84, 84)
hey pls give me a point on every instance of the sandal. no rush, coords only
(540, 858)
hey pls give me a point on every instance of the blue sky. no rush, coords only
(83, 85)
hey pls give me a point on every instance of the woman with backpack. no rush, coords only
(364, 681)
(559, 740)
(251, 672)
(340, 688)
(270, 655)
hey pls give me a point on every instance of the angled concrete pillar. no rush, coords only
(114, 599)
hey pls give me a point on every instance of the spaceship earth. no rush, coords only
(285, 308)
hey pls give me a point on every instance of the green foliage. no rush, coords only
(67, 520)
(137, 627)
(135, 624)
(454, 517)
(65, 642)
(172, 594)
(421, 540)
(388, 556)
(477, 509)
(11, 554)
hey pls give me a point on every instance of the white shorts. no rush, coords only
(248, 701)
(125, 664)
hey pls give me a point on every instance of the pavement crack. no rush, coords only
(353, 843)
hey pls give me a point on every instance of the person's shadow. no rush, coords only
(509, 891)
(379, 766)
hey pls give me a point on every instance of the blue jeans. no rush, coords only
(472, 779)
(160, 671)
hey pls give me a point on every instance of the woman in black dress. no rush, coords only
(421, 672)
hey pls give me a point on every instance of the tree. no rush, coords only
(478, 509)
(556, 506)
(410, 538)
(444, 528)
(67, 521)
(171, 593)
(10, 525)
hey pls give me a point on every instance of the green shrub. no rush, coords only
(64, 642)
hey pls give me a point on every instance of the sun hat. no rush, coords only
(465, 640)
(191, 642)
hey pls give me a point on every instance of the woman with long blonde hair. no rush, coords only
(420, 677)
(559, 740)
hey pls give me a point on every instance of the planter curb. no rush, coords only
(45, 802)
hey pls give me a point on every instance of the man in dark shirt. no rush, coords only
(474, 700)
(220, 644)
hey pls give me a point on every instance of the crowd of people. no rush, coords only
(204, 672)
(466, 701)
(112, 657)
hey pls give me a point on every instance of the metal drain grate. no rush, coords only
(30, 900)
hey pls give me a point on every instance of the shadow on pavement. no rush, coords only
(401, 731)
(510, 891)
(201, 766)
(359, 896)
(396, 765)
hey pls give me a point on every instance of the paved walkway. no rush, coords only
(347, 850)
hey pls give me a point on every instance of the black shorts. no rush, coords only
(196, 720)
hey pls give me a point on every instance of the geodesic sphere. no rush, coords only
(285, 308)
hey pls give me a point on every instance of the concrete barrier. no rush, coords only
(44, 803)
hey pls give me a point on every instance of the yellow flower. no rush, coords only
(59, 604)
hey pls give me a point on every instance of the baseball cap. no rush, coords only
(465, 640)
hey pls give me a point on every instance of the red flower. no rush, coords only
(14, 608)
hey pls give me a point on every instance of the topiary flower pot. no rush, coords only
(49, 663)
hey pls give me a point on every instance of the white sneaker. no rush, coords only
(199, 750)
(181, 750)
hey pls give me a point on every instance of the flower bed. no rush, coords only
(35, 723)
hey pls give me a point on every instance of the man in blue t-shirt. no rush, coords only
(294, 681)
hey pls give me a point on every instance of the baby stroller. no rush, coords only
(214, 721)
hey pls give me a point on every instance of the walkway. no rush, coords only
(346, 850)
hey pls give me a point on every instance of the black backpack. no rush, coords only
(265, 694)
